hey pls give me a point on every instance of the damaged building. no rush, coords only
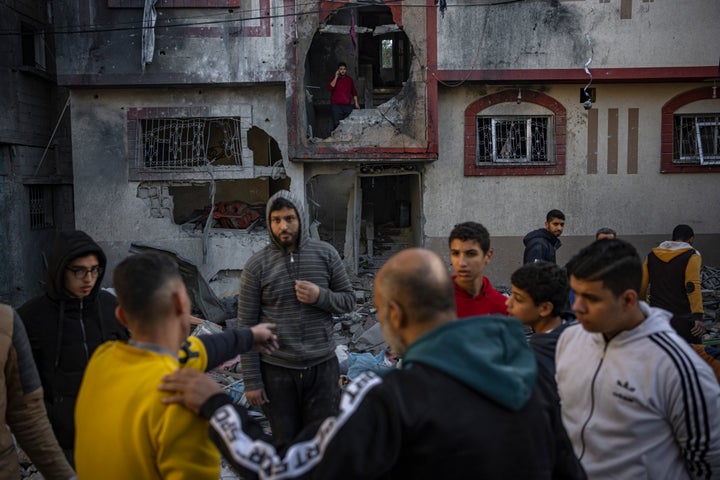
(184, 117)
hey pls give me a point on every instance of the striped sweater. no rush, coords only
(642, 405)
(267, 294)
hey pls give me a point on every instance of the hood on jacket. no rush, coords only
(544, 234)
(302, 217)
(656, 320)
(488, 353)
(668, 250)
(67, 247)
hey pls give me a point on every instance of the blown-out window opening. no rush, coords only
(182, 143)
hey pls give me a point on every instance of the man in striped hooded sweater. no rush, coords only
(297, 283)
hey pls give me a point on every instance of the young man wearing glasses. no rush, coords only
(67, 323)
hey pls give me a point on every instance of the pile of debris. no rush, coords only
(710, 285)
(230, 215)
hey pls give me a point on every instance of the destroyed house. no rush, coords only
(185, 116)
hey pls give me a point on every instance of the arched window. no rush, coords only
(515, 132)
(691, 133)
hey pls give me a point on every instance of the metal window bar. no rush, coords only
(512, 139)
(182, 144)
(696, 139)
(41, 212)
(708, 140)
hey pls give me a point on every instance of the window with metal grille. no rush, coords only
(513, 139)
(188, 143)
(41, 207)
(696, 139)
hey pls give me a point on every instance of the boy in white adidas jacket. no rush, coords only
(637, 402)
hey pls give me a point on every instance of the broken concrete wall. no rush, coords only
(642, 207)
(328, 193)
(564, 34)
(117, 212)
(399, 123)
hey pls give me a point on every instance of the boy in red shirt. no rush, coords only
(470, 253)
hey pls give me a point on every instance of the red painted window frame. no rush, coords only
(510, 96)
(666, 132)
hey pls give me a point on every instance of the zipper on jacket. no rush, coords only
(294, 272)
(592, 402)
(82, 329)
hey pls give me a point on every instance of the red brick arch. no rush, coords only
(510, 96)
(666, 131)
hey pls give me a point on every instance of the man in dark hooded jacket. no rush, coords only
(541, 244)
(67, 323)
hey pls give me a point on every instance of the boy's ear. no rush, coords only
(630, 298)
(120, 315)
(545, 309)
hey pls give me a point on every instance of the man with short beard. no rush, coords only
(297, 283)
(399, 425)
(541, 244)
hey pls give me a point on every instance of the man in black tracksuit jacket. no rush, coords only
(67, 323)
(465, 404)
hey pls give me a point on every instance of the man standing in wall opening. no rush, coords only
(343, 95)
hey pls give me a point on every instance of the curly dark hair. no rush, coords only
(544, 282)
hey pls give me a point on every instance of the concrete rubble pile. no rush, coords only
(710, 285)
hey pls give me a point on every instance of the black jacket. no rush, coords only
(64, 331)
(465, 405)
(540, 244)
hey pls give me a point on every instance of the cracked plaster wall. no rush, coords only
(551, 34)
(217, 48)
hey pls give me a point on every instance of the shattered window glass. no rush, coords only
(185, 143)
(696, 139)
(513, 139)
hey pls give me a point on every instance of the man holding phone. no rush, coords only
(343, 95)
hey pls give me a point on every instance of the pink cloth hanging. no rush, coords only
(353, 37)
